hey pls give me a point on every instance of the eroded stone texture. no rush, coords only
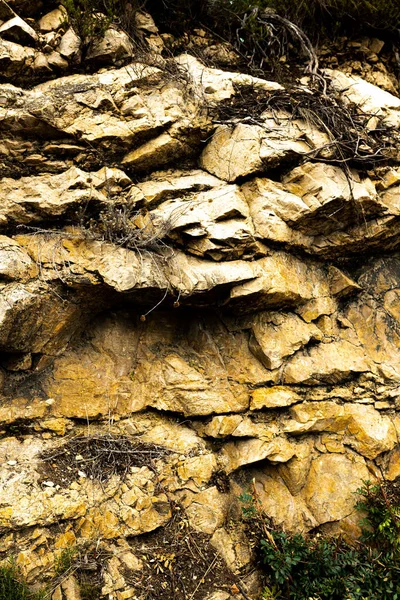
(209, 289)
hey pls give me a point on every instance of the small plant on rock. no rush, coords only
(304, 567)
(13, 585)
(91, 18)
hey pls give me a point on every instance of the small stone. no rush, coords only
(41, 64)
(57, 61)
(17, 30)
(114, 46)
(49, 484)
(53, 20)
(376, 45)
(11, 463)
(382, 405)
(145, 22)
(70, 45)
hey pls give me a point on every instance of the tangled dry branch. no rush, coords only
(356, 139)
(99, 457)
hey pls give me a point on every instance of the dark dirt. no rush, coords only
(178, 563)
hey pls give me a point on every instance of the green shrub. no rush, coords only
(332, 15)
(91, 18)
(299, 567)
(13, 586)
(65, 561)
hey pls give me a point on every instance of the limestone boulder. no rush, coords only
(214, 224)
(277, 396)
(103, 108)
(15, 58)
(236, 426)
(18, 31)
(15, 263)
(53, 20)
(334, 476)
(167, 185)
(326, 220)
(177, 383)
(206, 511)
(218, 85)
(368, 97)
(70, 45)
(114, 46)
(47, 196)
(241, 150)
(363, 427)
(276, 336)
(33, 320)
(234, 152)
(274, 210)
(334, 201)
(280, 280)
(277, 501)
(156, 153)
(330, 362)
(239, 453)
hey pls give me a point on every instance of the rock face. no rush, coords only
(219, 298)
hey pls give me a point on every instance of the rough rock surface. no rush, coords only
(211, 291)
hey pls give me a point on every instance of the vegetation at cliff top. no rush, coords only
(317, 17)
(299, 567)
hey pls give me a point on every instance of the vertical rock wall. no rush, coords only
(216, 302)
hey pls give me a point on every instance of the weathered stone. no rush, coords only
(369, 98)
(364, 428)
(14, 58)
(56, 61)
(114, 46)
(330, 362)
(239, 453)
(233, 153)
(206, 510)
(277, 501)
(165, 185)
(275, 337)
(31, 319)
(333, 476)
(280, 280)
(274, 397)
(145, 22)
(53, 20)
(214, 224)
(70, 45)
(15, 263)
(155, 153)
(30, 199)
(17, 30)
(317, 307)
(332, 199)
(243, 328)
(218, 85)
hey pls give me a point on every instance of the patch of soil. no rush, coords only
(99, 457)
(178, 563)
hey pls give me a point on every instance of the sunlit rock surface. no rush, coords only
(215, 291)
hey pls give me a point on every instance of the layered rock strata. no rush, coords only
(221, 292)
